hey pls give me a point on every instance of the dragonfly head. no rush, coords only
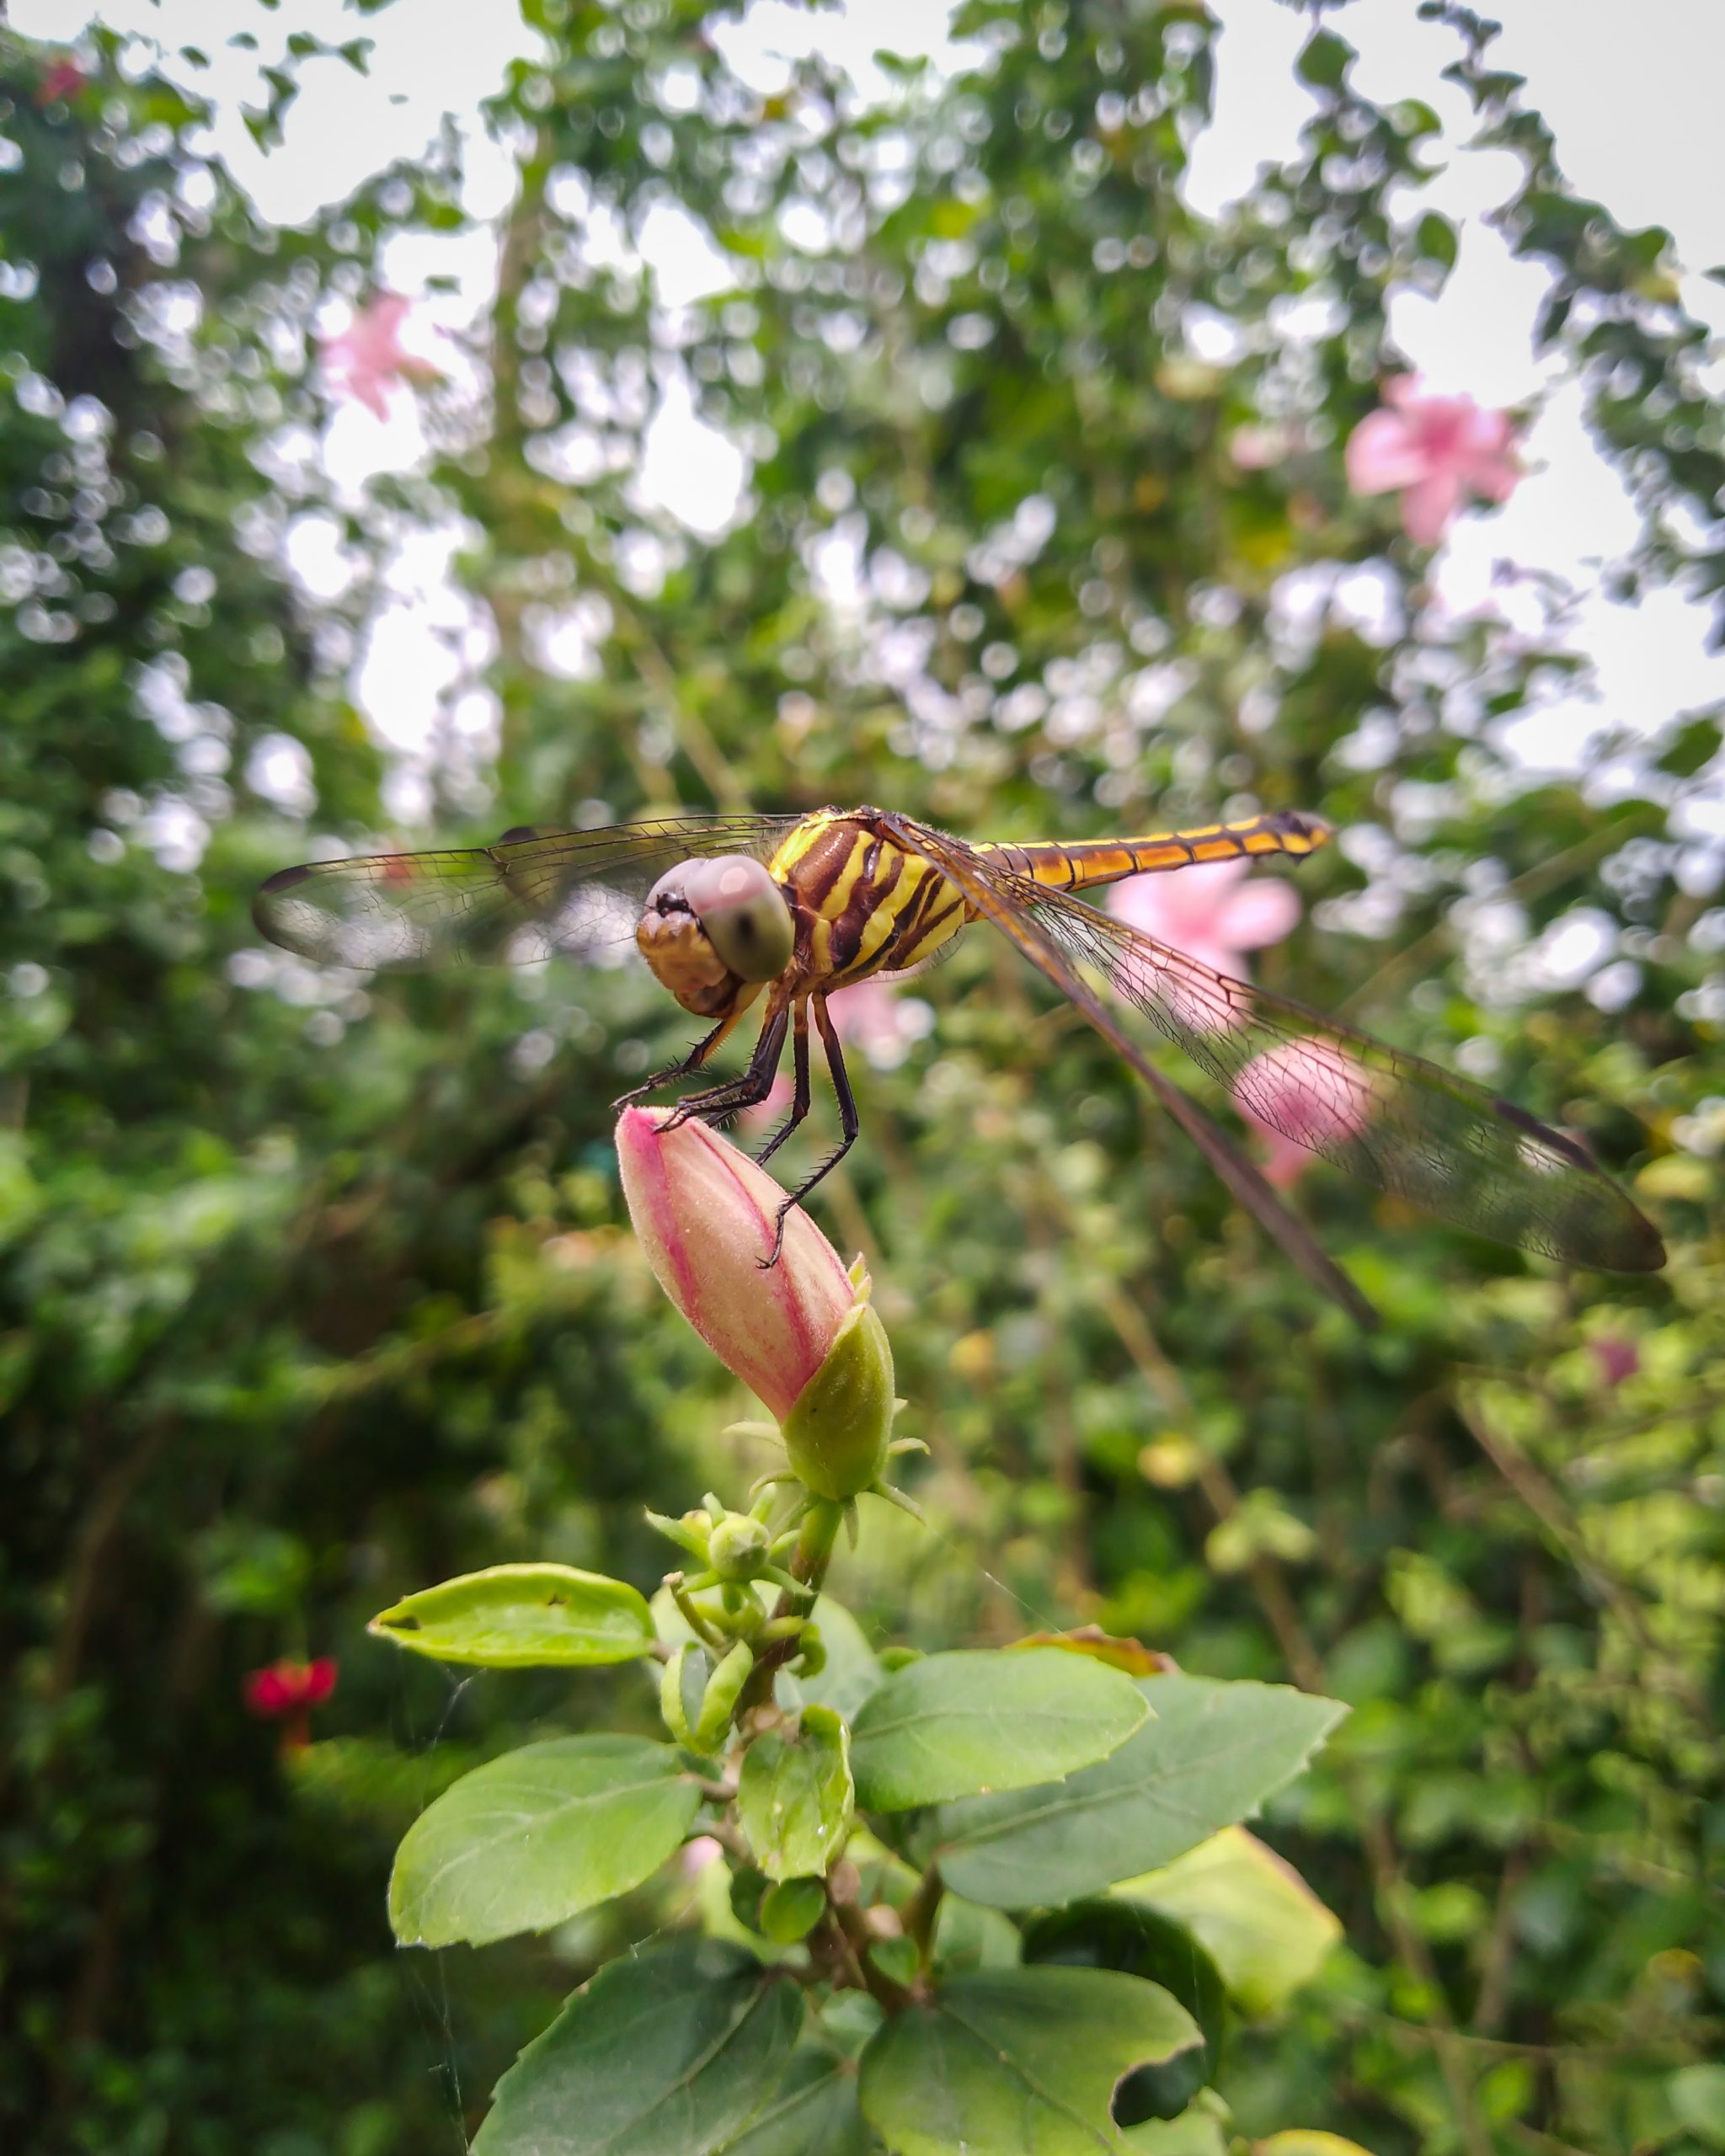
(711, 929)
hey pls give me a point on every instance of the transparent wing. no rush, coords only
(527, 896)
(1391, 1119)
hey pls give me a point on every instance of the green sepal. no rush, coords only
(841, 1424)
(724, 1688)
(670, 1696)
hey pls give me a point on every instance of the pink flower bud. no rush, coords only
(706, 1215)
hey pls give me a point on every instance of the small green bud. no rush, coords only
(791, 1910)
(738, 1547)
(840, 1425)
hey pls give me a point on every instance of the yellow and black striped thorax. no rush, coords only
(865, 905)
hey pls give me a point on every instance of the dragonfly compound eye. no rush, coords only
(743, 912)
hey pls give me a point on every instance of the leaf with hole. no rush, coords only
(952, 1724)
(522, 1617)
(669, 2051)
(795, 1796)
(1018, 2062)
(1212, 1756)
(536, 1837)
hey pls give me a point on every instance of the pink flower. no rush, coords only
(1209, 912)
(1300, 1097)
(1434, 451)
(1617, 1359)
(706, 1215)
(367, 357)
(699, 1852)
(869, 1015)
(64, 79)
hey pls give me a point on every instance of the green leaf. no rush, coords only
(1324, 60)
(1436, 239)
(670, 2052)
(533, 1837)
(952, 1724)
(794, 1798)
(1215, 1753)
(967, 1936)
(815, 2112)
(1197, 2132)
(1264, 1928)
(1308, 2140)
(1697, 2094)
(1108, 1933)
(1690, 747)
(521, 1617)
(1018, 2062)
(791, 1910)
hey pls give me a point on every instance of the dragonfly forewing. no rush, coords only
(521, 899)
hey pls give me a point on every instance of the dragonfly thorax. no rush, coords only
(713, 931)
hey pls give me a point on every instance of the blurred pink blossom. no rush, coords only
(1305, 1090)
(64, 79)
(367, 358)
(1210, 912)
(1616, 1357)
(1435, 452)
(699, 1852)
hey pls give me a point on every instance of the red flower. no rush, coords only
(291, 1689)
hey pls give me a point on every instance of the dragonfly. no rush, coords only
(733, 913)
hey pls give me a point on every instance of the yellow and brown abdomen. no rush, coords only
(1089, 863)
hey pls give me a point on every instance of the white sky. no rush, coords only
(1636, 130)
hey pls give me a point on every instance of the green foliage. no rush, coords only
(531, 1839)
(795, 1797)
(952, 1724)
(1023, 2061)
(521, 1617)
(667, 2052)
(1209, 1758)
(314, 1290)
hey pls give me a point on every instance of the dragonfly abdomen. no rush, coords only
(1084, 864)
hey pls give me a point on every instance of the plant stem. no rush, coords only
(920, 1912)
(809, 1563)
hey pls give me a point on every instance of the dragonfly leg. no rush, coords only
(799, 1099)
(849, 1121)
(718, 1103)
(691, 1063)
